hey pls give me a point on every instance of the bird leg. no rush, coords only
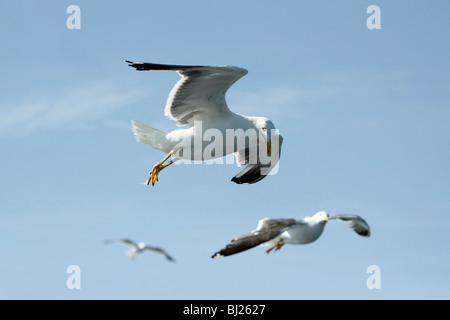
(153, 177)
(277, 247)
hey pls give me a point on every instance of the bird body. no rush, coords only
(303, 234)
(197, 138)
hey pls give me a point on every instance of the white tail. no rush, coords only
(150, 136)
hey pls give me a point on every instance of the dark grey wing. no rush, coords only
(123, 241)
(200, 92)
(159, 250)
(254, 172)
(267, 229)
(357, 223)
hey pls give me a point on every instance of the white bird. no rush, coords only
(277, 232)
(197, 102)
(137, 248)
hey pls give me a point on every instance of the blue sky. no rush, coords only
(364, 115)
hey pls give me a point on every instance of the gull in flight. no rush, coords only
(197, 103)
(277, 232)
(137, 248)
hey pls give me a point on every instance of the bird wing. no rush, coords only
(159, 250)
(357, 223)
(199, 94)
(267, 230)
(253, 172)
(123, 241)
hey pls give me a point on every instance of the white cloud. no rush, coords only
(281, 101)
(75, 106)
(288, 101)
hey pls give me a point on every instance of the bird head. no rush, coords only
(321, 216)
(141, 245)
(267, 131)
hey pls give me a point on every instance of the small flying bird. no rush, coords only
(197, 102)
(277, 232)
(137, 248)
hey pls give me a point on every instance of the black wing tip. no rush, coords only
(365, 233)
(237, 180)
(251, 174)
(251, 179)
(145, 66)
(218, 254)
(140, 66)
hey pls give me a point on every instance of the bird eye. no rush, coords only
(265, 129)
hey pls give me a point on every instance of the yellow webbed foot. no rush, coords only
(153, 177)
(277, 247)
(270, 249)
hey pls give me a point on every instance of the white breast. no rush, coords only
(303, 234)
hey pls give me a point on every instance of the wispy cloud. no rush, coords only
(69, 107)
(288, 101)
(281, 100)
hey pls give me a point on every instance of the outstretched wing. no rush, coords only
(199, 94)
(267, 230)
(357, 223)
(123, 241)
(159, 250)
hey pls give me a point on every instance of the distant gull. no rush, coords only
(277, 232)
(197, 102)
(137, 248)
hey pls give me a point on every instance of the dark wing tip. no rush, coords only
(140, 66)
(361, 227)
(227, 251)
(251, 174)
(145, 66)
(170, 258)
(358, 224)
(363, 233)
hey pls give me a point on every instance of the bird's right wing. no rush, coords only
(199, 93)
(357, 223)
(159, 250)
(267, 229)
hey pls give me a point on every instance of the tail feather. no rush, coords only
(150, 136)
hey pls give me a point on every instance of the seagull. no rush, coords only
(277, 232)
(197, 103)
(137, 248)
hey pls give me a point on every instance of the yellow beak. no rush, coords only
(269, 148)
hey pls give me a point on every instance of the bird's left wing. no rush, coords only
(357, 223)
(267, 229)
(123, 241)
(254, 172)
(159, 250)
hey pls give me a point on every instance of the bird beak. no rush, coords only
(326, 219)
(269, 148)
